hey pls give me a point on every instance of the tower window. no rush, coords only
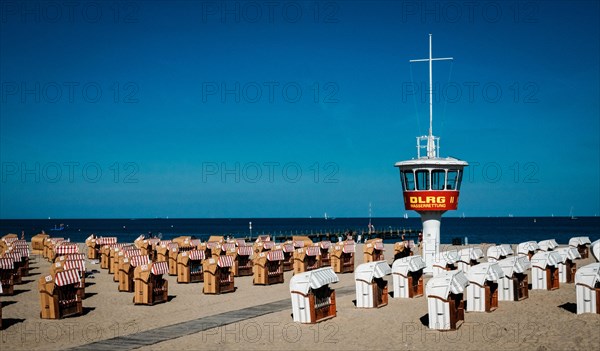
(422, 179)
(452, 177)
(438, 179)
(409, 180)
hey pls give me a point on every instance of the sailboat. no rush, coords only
(571, 214)
(405, 215)
(371, 227)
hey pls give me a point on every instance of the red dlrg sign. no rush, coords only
(431, 200)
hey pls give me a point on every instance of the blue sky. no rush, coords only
(293, 109)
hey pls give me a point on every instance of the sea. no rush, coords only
(506, 230)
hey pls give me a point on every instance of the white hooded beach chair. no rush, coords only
(446, 261)
(445, 301)
(587, 287)
(312, 299)
(371, 288)
(469, 257)
(407, 276)
(568, 267)
(528, 248)
(581, 243)
(499, 252)
(548, 245)
(482, 292)
(544, 270)
(514, 284)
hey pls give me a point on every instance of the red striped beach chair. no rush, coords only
(58, 295)
(189, 266)
(218, 275)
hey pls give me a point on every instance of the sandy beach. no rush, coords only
(545, 321)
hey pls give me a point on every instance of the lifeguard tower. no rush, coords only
(430, 183)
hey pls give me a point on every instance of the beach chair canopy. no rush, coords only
(213, 245)
(499, 250)
(7, 263)
(325, 244)
(483, 272)
(73, 257)
(526, 247)
(118, 246)
(126, 247)
(579, 240)
(445, 283)
(447, 257)
(515, 264)
(288, 247)
(15, 257)
(568, 253)
(276, 255)
(546, 258)
(298, 239)
(173, 246)
(408, 264)
(139, 260)
(368, 271)
(154, 241)
(595, 248)
(225, 261)
(245, 250)
(9, 238)
(195, 255)
(55, 241)
(23, 252)
(349, 247)
(268, 245)
(547, 245)
(107, 240)
(470, 253)
(588, 275)
(67, 277)
(159, 268)
(241, 242)
(228, 246)
(313, 251)
(75, 264)
(195, 242)
(65, 248)
(132, 252)
(19, 244)
(314, 279)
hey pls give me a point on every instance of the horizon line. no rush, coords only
(229, 218)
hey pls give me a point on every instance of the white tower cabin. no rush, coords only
(430, 183)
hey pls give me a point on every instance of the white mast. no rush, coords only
(370, 225)
(431, 147)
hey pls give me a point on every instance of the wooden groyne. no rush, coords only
(391, 234)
